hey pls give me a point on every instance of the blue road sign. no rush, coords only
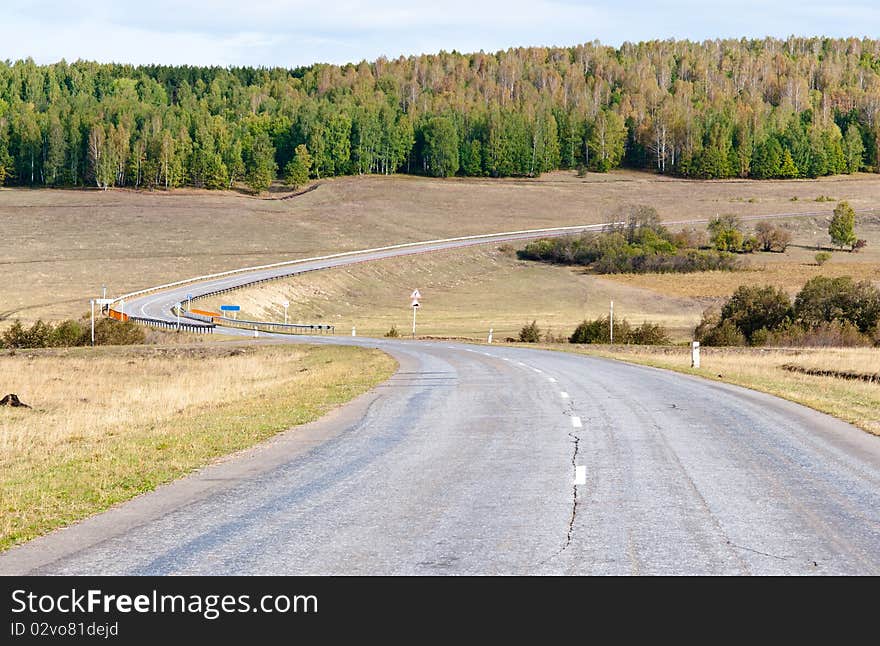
(230, 308)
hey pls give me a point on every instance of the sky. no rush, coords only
(290, 33)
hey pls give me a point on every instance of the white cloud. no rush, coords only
(299, 32)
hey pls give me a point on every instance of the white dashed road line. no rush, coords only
(580, 475)
(576, 421)
(563, 394)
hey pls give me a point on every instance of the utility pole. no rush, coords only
(611, 324)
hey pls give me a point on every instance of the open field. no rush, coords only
(464, 293)
(60, 246)
(467, 292)
(760, 369)
(111, 423)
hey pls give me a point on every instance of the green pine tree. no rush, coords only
(296, 173)
(787, 168)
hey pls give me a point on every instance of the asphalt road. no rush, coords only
(466, 462)
(497, 460)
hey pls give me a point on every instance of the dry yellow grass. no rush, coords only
(464, 294)
(60, 246)
(109, 424)
(856, 402)
(468, 291)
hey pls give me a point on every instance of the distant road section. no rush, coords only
(157, 303)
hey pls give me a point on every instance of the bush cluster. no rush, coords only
(640, 245)
(771, 237)
(826, 312)
(71, 333)
(597, 331)
(530, 333)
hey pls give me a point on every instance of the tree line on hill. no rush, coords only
(800, 107)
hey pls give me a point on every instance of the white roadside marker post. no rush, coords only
(415, 308)
(611, 324)
(285, 304)
(490, 335)
(695, 354)
(353, 331)
(415, 296)
(93, 321)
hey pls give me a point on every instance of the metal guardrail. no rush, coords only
(265, 326)
(196, 317)
(487, 237)
(198, 328)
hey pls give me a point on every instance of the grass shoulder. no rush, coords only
(111, 423)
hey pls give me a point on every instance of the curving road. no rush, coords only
(465, 462)
(500, 460)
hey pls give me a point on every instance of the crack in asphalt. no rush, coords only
(574, 492)
(574, 503)
(754, 551)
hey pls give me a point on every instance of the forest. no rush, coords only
(801, 107)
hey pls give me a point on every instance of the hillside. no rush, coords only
(61, 246)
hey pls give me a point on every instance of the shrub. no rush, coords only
(690, 239)
(393, 333)
(752, 308)
(822, 257)
(44, 335)
(824, 299)
(113, 332)
(725, 233)
(771, 237)
(859, 244)
(70, 333)
(649, 334)
(723, 334)
(728, 240)
(598, 331)
(39, 335)
(749, 245)
(530, 333)
(824, 334)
